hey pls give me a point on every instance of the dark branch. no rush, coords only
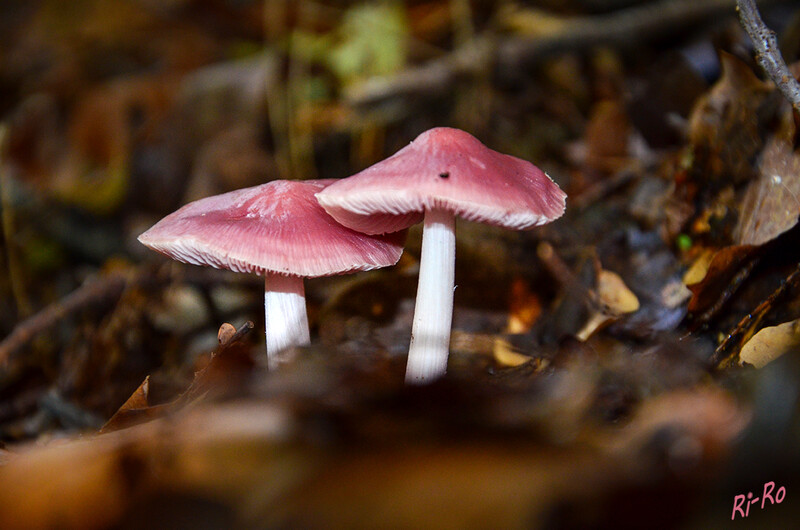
(99, 292)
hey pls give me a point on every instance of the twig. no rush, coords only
(535, 41)
(733, 285)
(97, 292)
(564, 275)
(751, 319)
(631, 26)
(768, 54)
(603, 188)
(433, 78)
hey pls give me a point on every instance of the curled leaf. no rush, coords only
(505, 355)
(614, 294)
(615, 299)
(697, 271)
(770, 343)
(135, 410)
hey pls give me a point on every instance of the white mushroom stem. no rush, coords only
(433, 314)
(285, 315)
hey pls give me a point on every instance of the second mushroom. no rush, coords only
(279, 230)
(442, 174)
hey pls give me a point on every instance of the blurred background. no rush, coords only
(633, 364)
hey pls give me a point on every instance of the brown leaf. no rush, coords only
(615, 299)
(135, 410)
(718, 283)
(228, 364)
(607, 136)
(222, 372)
(770, 206)
(725, 127)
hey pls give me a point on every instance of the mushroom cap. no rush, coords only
(277, 227)
(447, 169)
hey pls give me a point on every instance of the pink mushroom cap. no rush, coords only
(445, 169)
(277, 227)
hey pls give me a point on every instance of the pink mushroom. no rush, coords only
(279, 230)
(443, 173)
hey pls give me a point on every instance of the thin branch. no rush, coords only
(631, 26)
(108, 288)
(768, 54)
(564, 275)
(432, 78)
(723, 352)
(535, 36)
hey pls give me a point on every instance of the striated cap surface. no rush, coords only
(278, 227)
(448, 169)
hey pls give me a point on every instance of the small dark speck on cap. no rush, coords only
(444, 174)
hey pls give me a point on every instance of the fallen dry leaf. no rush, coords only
(725, 126)
(615, 298)
(614, 294)
(505, 355)
(607, 136)
(719, 278)
(135, 410)
(770, 206)
(697, 271)
(770, 343)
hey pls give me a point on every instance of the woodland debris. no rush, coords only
(727, 352)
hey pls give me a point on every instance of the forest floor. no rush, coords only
(632, 364)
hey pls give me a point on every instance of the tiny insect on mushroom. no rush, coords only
(279, 230)
(442, 174)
